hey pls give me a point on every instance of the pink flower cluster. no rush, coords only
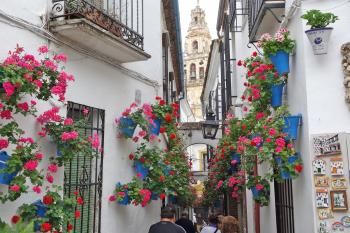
(95, 141)
(50, 115)
(69, 135)
(219, 184)
(4, 143)
(31, 165)
(146, 194)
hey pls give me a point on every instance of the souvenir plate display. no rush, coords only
(325, 213)
(337, 166)
(339, 200)
(321, 181)
(322, 199)
(338, 183)
(345, 221)
(323, 227)
(337, 227)
(319, 167)
(326, 145)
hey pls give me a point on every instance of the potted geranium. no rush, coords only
(277, 49)
(319, 33)
(260, 188)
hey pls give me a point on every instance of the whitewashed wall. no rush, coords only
(102, 86)
(315, 89)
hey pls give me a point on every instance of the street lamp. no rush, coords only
(210, 126)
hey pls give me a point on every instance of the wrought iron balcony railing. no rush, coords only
(257, 10)
(122, 18)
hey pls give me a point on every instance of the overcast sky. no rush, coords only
(211, 11)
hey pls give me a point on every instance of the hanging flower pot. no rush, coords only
(281, 61)
(125, 200)
(319, 38)
(142, 169)
(235, 158)
(155, 127)
(154, 196)
(41, 209)
(5, 178)
(291, 124)
(284, 172)
(255, 192)
(127, 126)
(276, 98)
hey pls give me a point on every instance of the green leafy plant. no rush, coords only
(280, 42)
(60, 212)
(18, 227)
(317, 19)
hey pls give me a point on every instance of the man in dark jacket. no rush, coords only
(186, 223)
(166, 224)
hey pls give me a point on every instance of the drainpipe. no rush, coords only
(290, 14)
(179, 47)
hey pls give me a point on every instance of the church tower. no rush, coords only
(197, 47)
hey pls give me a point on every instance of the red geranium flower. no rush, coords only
(47, 200)
(161, 102)
(45, 227)
(161, 178)
(162, 130)
(69, 227)
(172, 136)
(168, 118)
(80, 201)
(15, 219)
(298, 168)
(142, 160)
(131, 156)
(77, 214)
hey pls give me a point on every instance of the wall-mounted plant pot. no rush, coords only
(172, 199)
(291, 125)
(127, 126)
(142, 169)
(125, 200)
(276, 98)
(255, 192)
(41, 208)
(319, 38)
(236, 157)
(155, 127)
(154, 196)
(281, 62)
(5, 178)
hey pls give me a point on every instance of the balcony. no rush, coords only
(264, 16)
(110, 28)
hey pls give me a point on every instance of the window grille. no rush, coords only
(284, 207)
(84, 174)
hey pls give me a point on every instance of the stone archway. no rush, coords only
(192, 134)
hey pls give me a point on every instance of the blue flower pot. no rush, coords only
(155, 128)
(278, 160)
(125, 200)
(142, 169)
(285, 175)
(172, 199)
(291, 124)
(166, 171)
(127, 126)
(276, 98)
(292, 159)
(41, 208)
(237, 157)
(255, 192)
(154, 196)
(281, 62)
(5, 178)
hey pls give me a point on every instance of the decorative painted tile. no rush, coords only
(322, 198)
(338, 183)
(323, 227)
(345, 221)
(339, 200)
(321, 181)
(319, 167)
(325, 213)
(337, 166)
(326, 145)
(337, 227)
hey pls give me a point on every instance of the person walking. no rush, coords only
(212, 227)
(230, 225)
(167, 222)
(185, 223)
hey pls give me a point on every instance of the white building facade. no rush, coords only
(315, 89)
(118, 54)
